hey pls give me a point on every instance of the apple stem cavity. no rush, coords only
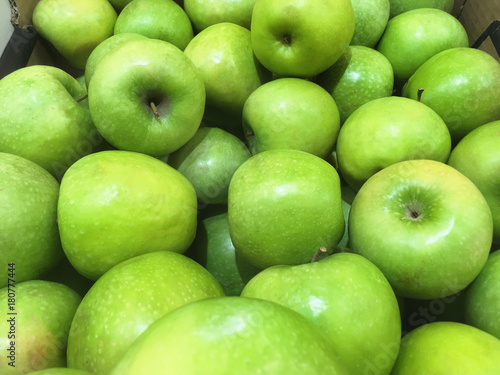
(155, 111)
(419, 94)
(82, 98)
(413, 212)
(316, 256)
(287, 39)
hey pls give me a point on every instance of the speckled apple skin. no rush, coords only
(401, 6)
(370, 21)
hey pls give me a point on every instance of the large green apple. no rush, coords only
(413, 37)
(231, 335)
(482, 298)
(28, 222)
(444, 348)
(41, 119)
(36, 316)
(208, 161)
(401, 6)
(157, 19)
(301, 38)
(425, 225)
(462, 85)
(386, 131)
(371, 19)
(477, 156)
(224, 57)
(361, 75)
(147, 96)
(74, 27)
(114, 205)
(206, 13)
(127, 299)
(348, 298)
(291, 113)
(284, 205)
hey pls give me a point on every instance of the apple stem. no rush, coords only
(419, 94)
(321, 250)
(155, 111)
(82, 98)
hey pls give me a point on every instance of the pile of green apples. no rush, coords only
(251, 187)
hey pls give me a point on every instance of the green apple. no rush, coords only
(371, 20)
(301, 38)
(206, 13)
(413, 37)
(147, 96)
(127, 299)
(360, 75)
(156, 19)
(386, 131)
(283, 205)
(433, 228)
(103, 49)
(208, 161)
(462, 86)
(401, 6)
(482, 298)
(231, 335)
(36, 316)
(444, 348)
(291, 113)
(114, 205)
(214, 250)
(60, 371)
(74, 27)
(28, 219)
(348, 298)
(477, 156)
(42, 120)
(224, 57)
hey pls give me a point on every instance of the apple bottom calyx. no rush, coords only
(413, 211)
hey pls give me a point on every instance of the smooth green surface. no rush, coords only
(127, 299)
(231, 335)
(433, 228)
(114, 205)
(348, 298)
(283, 205)
(400, 6)
(291, 113)
(371, 18)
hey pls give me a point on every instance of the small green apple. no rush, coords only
(156, 19)
(127, 299)
(401, 6)
(36, 316)
(371, 19)
(444, 348)
(231, 335)
(462, 85)
(360, 75)
(114, 205)
(208, 161)
(477, 156)
(301, 38)
(291, 113)
(283, 205)
(74, 27)
(433, 228)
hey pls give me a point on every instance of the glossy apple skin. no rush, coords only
(386, 131)
(448, 348)
(156, 19)
(74, 27)
(348, 298)
(477, 156)
(361, 75)
(371, 18)
(301, 38)
(401, 6)
(53, 130)
(462, 86)
(482, 298)
(219, 332)
(127, 299)
(434, 228)
(291, 113)
(209, 161)
(114, 205)
(410, 39)
(44, 313)
(283, 205)
(132, 76)
(223, 55)
(207, 13)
